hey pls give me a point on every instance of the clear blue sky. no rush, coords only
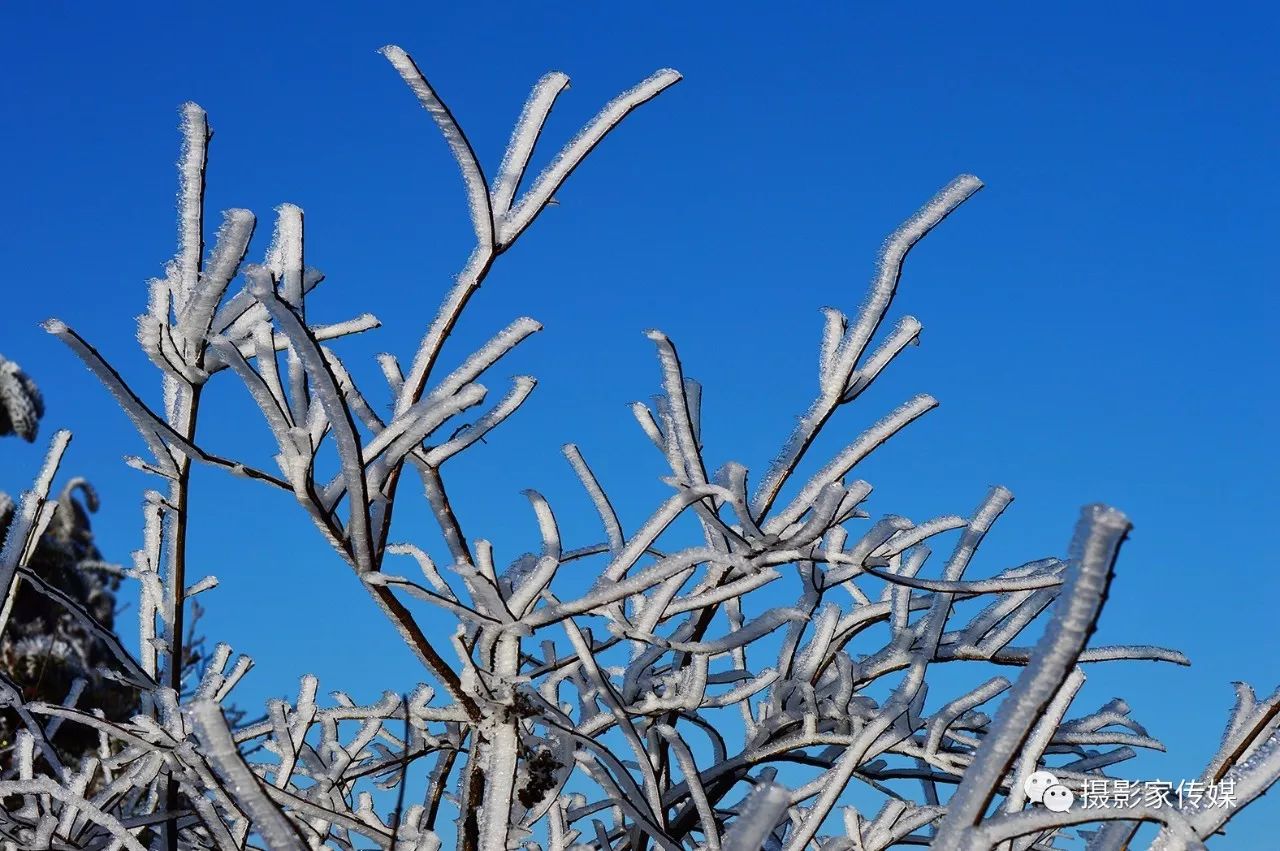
(1099, 322)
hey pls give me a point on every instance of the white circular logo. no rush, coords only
(1058, 798)
(1037, 783)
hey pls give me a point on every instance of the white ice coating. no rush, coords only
(683, 416)
(521, 387)
(833, 329)
(757, 817)
(230, 245)
(195, 152)
(905, 333)
(218, 747)
(285, 260)
(153, 429)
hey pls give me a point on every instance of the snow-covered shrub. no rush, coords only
(673, 704)
(48, 650)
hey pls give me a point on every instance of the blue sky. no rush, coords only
(1099, 321)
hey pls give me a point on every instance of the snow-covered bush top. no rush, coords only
(673, 704)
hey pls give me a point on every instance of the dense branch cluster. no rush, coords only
(47, 652)
(670, 703)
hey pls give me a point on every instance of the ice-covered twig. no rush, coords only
(459, 145)
(524, 136)
(220, 749)
(842, 348)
